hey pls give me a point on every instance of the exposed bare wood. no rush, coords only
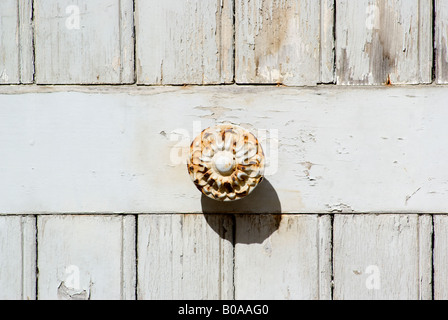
(288, 42)
(383, 41)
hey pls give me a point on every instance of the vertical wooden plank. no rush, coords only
(382, 257)
(282, 257)
(185, 256)
(327, 41)
(29, 257)
(9, 49)
(284, 41)
(26, 45)
(425, 40)
(441, 41)
(127, 41)
(440, 257)
(86, 257)
(384, 41)
(325, 239)
(128, 257)
(16, 42)
(17, 257)
(84, 42)
(181, 42)
(425, 251)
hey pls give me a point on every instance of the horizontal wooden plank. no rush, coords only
(185, 256)
(382, 257)
(18, 258)
(123, 149)
(282, 257)
(86, 257)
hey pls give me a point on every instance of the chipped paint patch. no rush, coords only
(66, 293)
(339, 208)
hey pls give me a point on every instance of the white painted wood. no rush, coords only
(86, 257)
(288, 42)
(128, 258)
(26, 41)
(382, 257)
(16, 42)
(440, 257)
(327, 41)
(84, 42)
(185, 257)
(119, 150)
(279, 257)
(425, 251)
(383, 40)
(425, 42)
(182, 42)
(325, 243)
(9, 49)
(17, 258)
(441, 41)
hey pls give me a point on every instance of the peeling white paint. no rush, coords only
(104, 152)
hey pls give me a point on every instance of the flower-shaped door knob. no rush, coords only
(226, 162)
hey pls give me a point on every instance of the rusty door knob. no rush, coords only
(226, 162)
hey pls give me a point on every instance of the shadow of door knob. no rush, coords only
(226, 162)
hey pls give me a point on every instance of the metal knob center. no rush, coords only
(224, 163)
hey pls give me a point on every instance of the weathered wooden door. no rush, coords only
(100, 101)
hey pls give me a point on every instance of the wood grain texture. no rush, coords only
(325, 247)
(327, 152)
(185, 257)
(327, 41)
(440, 257)
(86, 257)
(184, 42)
(16, 42)
(280, 257)
(383, 41)
(441, 41)
(18, 258)
(84, 42)
(288, 42)
(382, 257)
(9, 49)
